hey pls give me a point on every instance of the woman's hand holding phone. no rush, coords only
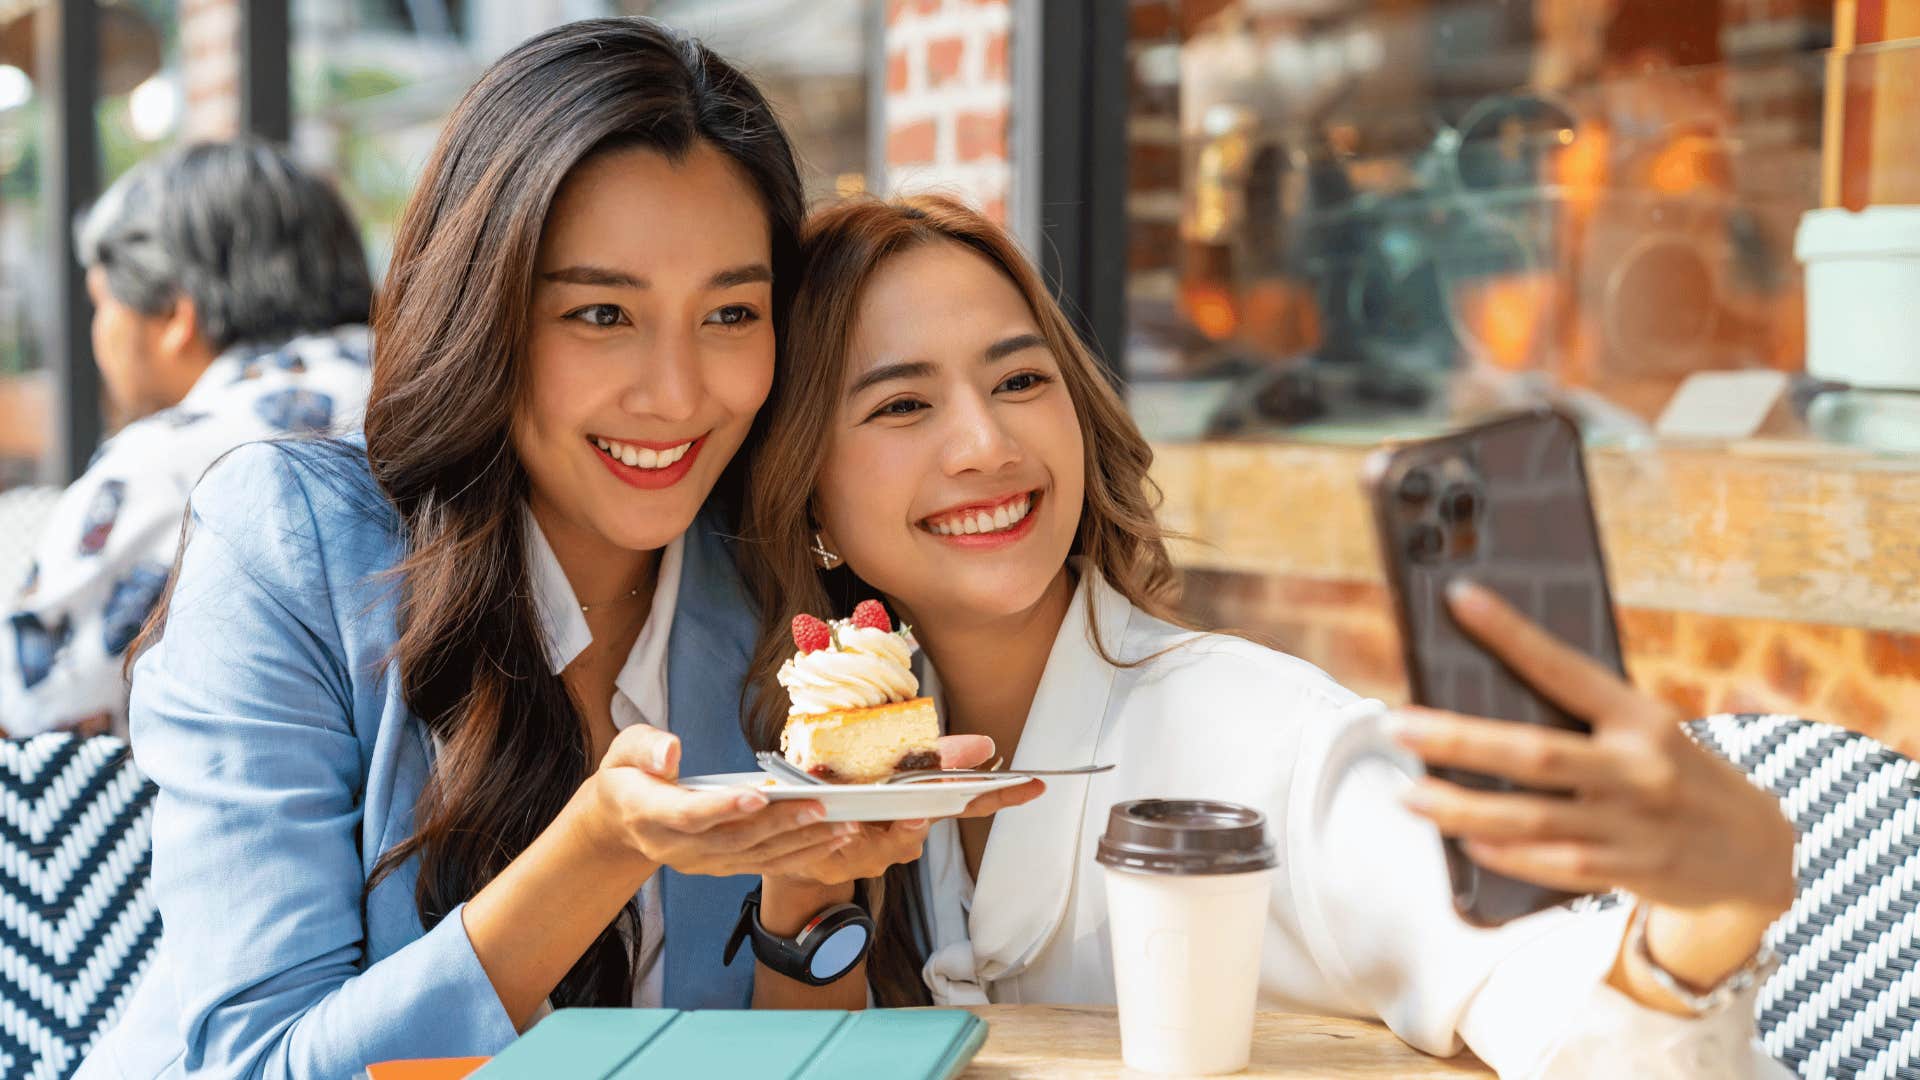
(1645, 809)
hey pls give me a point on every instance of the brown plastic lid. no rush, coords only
(1186, 836)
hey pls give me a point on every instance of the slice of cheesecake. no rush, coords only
(864, 746)
(857, 716)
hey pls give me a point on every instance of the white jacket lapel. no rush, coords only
(1028, 868)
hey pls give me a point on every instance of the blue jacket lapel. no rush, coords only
(707, 658)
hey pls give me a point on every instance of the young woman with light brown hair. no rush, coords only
(939, 427)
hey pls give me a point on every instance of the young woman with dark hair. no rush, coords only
(408, 702)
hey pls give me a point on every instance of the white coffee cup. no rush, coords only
(1187, 883)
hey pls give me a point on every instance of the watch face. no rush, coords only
(840, 951)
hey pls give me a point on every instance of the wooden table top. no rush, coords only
(1057, 1042)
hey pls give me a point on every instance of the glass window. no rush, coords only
(138, 113)
(25, 396)
(375, 78)
(1358, 218)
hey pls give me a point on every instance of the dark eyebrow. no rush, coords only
(912, 369)
(1000, 350)
(752, 274)
(594, 275)
(920, 369)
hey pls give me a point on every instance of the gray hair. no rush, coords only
(265, 249)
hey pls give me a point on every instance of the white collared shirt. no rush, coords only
(639, 697)
(1360, 922)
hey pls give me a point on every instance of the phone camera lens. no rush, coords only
(1464, 543)
(1426, 542)
(1416, 487)
(1459, 503)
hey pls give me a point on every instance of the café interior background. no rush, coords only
(1340, 221)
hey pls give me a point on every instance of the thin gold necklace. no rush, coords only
(585, 608)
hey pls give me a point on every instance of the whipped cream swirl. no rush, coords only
(865, 668)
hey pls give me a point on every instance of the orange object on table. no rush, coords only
(426, 1069)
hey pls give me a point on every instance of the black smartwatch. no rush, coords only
(830, 945)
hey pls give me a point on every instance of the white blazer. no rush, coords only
(1360, 922)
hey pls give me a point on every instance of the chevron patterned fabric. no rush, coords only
(77, 920)
(1845, 1002)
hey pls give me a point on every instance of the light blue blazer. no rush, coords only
(270, 715)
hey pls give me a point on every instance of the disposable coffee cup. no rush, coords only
(1187, 886)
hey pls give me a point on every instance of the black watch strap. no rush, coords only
(831, 944)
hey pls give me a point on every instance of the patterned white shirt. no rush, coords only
(103, 558)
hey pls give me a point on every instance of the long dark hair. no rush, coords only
(450, 332)
(1119, 535)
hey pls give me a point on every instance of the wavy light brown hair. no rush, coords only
(842, 250)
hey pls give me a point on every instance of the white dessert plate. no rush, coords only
(865, 802)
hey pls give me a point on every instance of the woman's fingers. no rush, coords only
(865, 853)
(1646, 766)
(646, 801)
(897, 842)
(645, 747)
(1550, 666)
(1515, 816)
(776, 820)
(781, 844)
(820, 862)
(1004, 799)
(1570, 866)
(1524, 753)
(964, 751)
(888, 844)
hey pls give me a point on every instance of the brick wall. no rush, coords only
(947, 100)
(210, 58)
(1746, 582)
(1864, 679)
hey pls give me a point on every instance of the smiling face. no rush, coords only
(955, 467)
(650, 348)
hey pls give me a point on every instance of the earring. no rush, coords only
(828, 560)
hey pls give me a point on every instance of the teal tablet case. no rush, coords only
(628, 1044)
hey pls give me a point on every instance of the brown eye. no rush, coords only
(899, 407)
(733, 315)
(600, 315)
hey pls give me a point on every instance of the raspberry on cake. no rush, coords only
(855, 717)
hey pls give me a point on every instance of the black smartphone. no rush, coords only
(1506, 505)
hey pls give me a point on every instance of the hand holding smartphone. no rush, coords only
(1503, 505)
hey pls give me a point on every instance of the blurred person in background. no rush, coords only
(230, 300)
